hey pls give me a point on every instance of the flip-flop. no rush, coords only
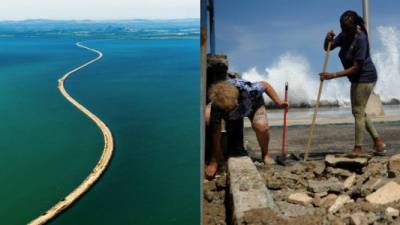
(380, 152)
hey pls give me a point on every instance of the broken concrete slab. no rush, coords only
(390, 192)
(358, 218)
(300, 198)
(293, 210)
(339, 203)
(391, 212)
(340, 161)
(339, 172)
(372, 185)
(247, 189)
(375, 183)
(394, 164)
(261, 217)
(328, 201)
(332, 184)
(376, 168)
(319, 167)
(298, 168)
(274, 183)
(321, 194)
(288, 175)
(356, 188)
(348, 183)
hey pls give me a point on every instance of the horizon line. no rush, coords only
(98, 20)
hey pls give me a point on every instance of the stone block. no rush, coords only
(300, 198)
(247, 189)
(332, 184)
(328, 201)
(348, 183)
(358, 218)
(394, 164)
(391, 212)
(333, 160)
(390, 192)
(339, 203)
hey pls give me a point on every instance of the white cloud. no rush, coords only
(99, 9)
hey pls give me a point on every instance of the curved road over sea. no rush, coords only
(101, 164)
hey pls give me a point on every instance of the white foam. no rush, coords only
(303, 87)
(387, 62)
(304, 83)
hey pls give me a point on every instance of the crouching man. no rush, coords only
(232, 100)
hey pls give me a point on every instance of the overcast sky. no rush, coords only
(99, 9)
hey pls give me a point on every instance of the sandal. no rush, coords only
(356, 152)
(379, 151)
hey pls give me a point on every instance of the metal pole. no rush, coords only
(366, 18)
(212, 27)
(203, 82)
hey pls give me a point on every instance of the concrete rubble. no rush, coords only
(391, 212)
(386, 194)
(333, 160)
(358, 218)
(300, 198)
(338, 189)
(339, 203)
(335, 190)
(394, 165)
(348, 183)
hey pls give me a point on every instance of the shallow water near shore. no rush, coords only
(48, 147)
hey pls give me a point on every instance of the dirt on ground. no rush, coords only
(336, 191)
(214, 199)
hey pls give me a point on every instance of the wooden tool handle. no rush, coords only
(283, 152)
(310, 132)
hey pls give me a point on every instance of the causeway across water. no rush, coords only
(101, 164)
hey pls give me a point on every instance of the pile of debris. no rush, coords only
(339, 190)
(214, 195)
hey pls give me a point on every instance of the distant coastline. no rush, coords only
(101, 164)
(102, 29)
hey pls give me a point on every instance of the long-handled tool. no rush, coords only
(285, 158)
(307, 148)
(283, 152)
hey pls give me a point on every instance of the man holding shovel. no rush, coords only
(232, 100)
(360, 70)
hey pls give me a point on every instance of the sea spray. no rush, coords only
(304, 83)
(387, 61)
(302, 86)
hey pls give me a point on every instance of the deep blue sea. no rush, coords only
(146, 91)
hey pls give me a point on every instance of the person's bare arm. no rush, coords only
(270, 91)
(354, 69)
(216, 141)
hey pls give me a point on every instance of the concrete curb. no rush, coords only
(247, 189)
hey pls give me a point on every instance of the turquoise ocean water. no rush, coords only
(146, 91)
